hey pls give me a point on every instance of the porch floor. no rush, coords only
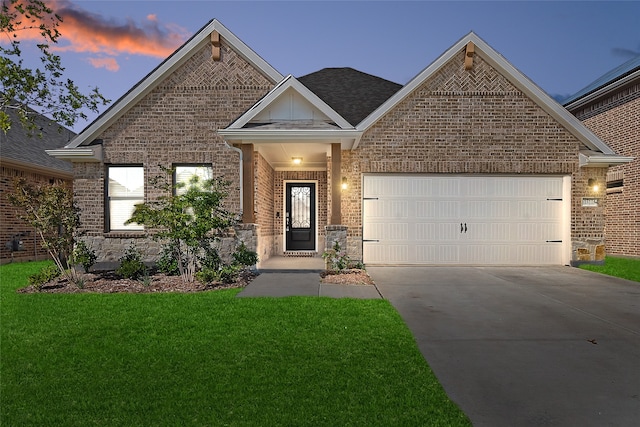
(289, 263)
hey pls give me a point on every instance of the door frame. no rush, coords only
(284, 209)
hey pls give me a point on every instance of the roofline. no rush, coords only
(88, 154)
(290, 82)
(517, 78)
(603, 90)
(603, 161)
(179, 57)
(348, 138)
(32, 167)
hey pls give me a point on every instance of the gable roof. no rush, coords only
(290, 83)
(20, 149)
(175, 60)
(609, 81)
(352, 93)
(517, 78)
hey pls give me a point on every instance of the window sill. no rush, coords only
(125, 234)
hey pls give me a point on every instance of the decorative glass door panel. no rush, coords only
(300, 217)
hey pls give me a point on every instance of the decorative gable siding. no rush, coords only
(463, 122)
(175, 123)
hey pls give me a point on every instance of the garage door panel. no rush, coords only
(463, 219)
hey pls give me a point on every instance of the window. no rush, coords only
(125, 189)
(184, 174)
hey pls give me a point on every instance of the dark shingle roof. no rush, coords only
(351, 93)
(18, 145)
(616, 74)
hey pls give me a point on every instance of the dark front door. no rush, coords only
(300, 217)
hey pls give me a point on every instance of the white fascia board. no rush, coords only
(167, 67)
(603, 91)
(276, 92)
(286, 135)
(89, 154)
(516, 77)
(602, 161)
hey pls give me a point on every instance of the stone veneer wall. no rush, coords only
(175, 123)
(616, 120)
(321, 202)
(467, 122)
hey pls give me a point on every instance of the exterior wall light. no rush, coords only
(593, 185)
(344, 183)
(296, 160)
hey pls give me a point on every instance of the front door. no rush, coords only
(300, 216)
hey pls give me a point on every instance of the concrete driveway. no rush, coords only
(527, 346)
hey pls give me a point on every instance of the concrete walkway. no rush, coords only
(300, 276)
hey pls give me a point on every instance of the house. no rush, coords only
(468, 163)
(23, 155)
(610, 108)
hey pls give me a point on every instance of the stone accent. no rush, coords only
(588, 251)
(335, 233)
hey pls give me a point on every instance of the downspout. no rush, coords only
(239, 151)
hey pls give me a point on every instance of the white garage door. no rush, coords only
(473, 220)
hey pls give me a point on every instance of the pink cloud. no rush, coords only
(109, 63)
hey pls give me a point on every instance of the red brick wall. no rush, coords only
(466, 122)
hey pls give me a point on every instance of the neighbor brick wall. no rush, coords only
(10, 224)
(616, 120)
(176, 122)
(464, 122)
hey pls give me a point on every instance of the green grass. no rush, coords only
(619, 267)
(209, 359)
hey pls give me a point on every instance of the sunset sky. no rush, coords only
(561, 46)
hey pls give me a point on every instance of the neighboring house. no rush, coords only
(22, 155)
(468, 163)
(610, 107)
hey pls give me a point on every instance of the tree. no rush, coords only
(190, 222)
(50, 209)
(44, 90)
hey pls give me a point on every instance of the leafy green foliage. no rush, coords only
(44, 89)
(244, 257)
(191, 218)
(131, 265)
(168, 261)
(336, 258)
(84, 256)
(50, 209)
(46, 274)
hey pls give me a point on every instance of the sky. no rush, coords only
(561, 45)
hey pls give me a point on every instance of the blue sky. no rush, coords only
(561, 46)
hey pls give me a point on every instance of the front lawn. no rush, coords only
(209, 359)
(620, 267)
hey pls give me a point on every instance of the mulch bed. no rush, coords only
(346, 277)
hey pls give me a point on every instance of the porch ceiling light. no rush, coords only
(593, 185)
(296, 160)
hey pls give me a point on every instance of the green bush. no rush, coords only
(84, 256)
(45, 275)
(225, 274)
(168, 262)
(243, 256)
(131, 265)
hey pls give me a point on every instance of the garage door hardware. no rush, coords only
(555, 200)
(370, 198)
(371, 240)
(463, 229)
(554, 241)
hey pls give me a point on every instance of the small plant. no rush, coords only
(45, 275)
(131, 265)
(336, 258)
(244, 257)
(225, 274)
(84, 256)
(146, 278)
(168, 262)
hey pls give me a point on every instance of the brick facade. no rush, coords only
(10, 225)
(468, 122)
(176, 123)
(616, 120)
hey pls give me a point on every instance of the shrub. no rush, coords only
(225, 274)
(131, 265)
(336, 258)
(168, 262)
(84, 256)
(244, 257)
(45, 275)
